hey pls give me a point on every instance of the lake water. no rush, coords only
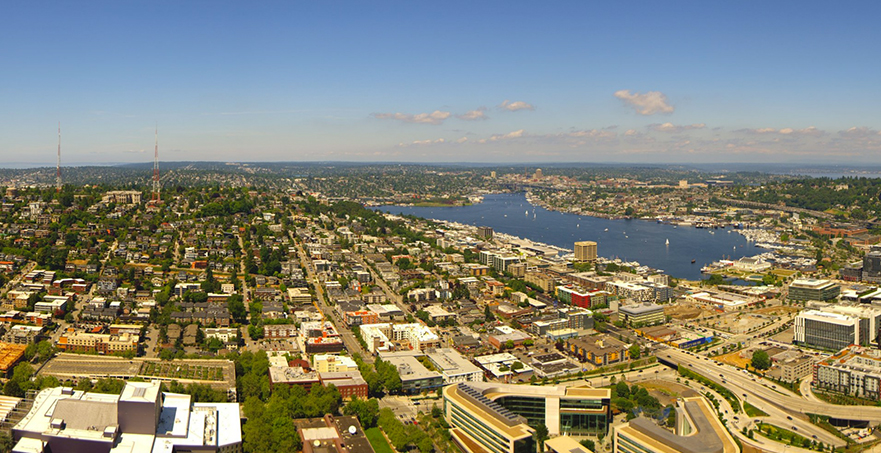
(631, 240)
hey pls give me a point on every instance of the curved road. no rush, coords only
(746, 383)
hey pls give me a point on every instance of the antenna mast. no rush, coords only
(156, 198)
(58, 163)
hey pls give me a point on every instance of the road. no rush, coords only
(785, 409)
(349, 340)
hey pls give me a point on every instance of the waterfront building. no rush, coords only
(813, 289)
(854, 371)
(698, 430)
(141, 419)
(645, 314)
(585, 251)
(489, 417)
(485, 232)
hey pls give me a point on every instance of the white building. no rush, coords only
(454, 367)
(329, 363)
(381, 337)
(140, 420)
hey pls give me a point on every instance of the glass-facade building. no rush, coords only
(500, 417)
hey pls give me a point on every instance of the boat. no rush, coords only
(606, 229)
(692, 261)
(527, 212)
(668, 242)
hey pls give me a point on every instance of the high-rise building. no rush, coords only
(585, 251)
(872, 265)
(485, 232)
(537, 173)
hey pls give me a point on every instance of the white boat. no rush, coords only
(606, 229)
(527, 212)
(668, 242)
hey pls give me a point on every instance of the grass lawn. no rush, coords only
(377, 441)
(753, 411)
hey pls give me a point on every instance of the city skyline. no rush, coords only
(459, 82)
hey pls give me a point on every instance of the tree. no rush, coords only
(760, 360)
(634, 351)
(622, 390)
(540, 435)
(367, 411)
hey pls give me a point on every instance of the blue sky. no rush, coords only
(441, 81)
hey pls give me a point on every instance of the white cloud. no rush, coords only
(501, 137)
(631, 132)
(439, 141)
(593, 133)
(670, 127)
(462, 140)
(473, 115)
(516, 105)
(808, 131)
(645, 104)
(859, 132)
(435, 117)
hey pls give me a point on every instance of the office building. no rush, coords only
(140, 420)
(585, 251)
(415, 377)
(835, 327)
(485, 232)
(871, 271)
(565, 444)
(490, 417)
(813, 289)
(454, 367)
(698, 430)
(831, 331)
(645, 314)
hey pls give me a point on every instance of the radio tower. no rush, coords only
(156, 198)
(58, 164)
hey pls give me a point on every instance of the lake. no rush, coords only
(630, 240)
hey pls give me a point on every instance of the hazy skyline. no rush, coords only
(687, 82)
